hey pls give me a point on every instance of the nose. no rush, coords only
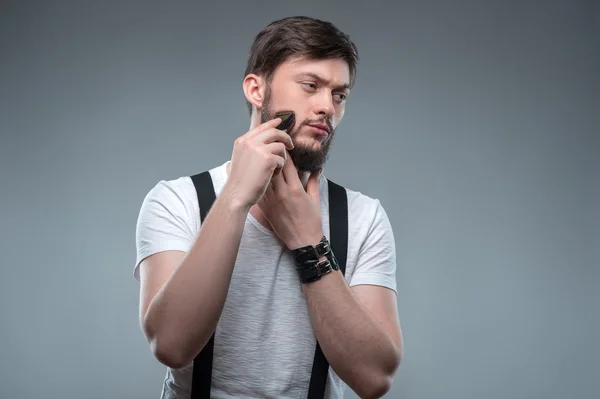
(324, 105)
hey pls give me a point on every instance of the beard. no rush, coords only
(305, 158)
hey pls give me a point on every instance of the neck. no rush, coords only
(304, 176)
(255, 209)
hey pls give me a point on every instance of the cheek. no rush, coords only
(288, 95)
(337, 118)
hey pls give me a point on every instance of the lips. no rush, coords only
(321, 126)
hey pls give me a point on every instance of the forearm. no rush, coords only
(355, 345)
(184, 313)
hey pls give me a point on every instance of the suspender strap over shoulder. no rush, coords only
(338, 225)
(202, 372)
(205, 191)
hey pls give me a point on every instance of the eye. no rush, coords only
(310, 86)
(340, 97)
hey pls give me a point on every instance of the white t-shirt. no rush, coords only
(264, 342)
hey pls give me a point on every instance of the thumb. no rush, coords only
(312, 186)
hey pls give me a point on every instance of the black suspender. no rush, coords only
(205, 191)
(202, 372)
(338, 225)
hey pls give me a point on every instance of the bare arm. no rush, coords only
(182, 296)
(358, 330)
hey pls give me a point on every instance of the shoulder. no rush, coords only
(175, 195)
(175, 201)
(169, 205)
(166, 219)
(169, 190)
(179, 195)
(365, 212)
(372, 249)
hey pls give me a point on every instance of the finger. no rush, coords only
(290, 173)
(277, 182)
(277, 173)
(278, 154)
(312, 187)
(272, 135)
(262, 202)
(277, 148)
(264, 126)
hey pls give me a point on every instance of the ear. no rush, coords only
(254, 89)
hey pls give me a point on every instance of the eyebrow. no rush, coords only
(324, 81)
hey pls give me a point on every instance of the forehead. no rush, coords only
(334, 70)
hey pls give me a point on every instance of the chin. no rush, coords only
(309, 140)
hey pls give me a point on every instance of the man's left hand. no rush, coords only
(293, 212)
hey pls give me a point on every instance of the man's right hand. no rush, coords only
(257, 155)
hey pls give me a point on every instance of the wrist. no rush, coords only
(315, 261)
(305, 241)
(233, 201)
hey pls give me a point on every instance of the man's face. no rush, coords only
(316, 91)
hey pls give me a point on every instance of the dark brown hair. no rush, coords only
(298, 37)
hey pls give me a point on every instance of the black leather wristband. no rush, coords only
(312, 252)
(315, 272)
(308, 264)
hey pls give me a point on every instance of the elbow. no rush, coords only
(376, 388)
(163, 349)
(379, 384)
(395, 360)
(384, 382)
(383, 387)
(169, 355)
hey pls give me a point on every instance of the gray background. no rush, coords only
(473, 122)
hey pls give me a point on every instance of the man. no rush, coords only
(236, 276)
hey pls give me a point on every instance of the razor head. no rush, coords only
(288, 119)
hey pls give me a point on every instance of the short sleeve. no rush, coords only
(163, 223)
(376, 262)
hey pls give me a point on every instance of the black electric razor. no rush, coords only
(288, 119)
